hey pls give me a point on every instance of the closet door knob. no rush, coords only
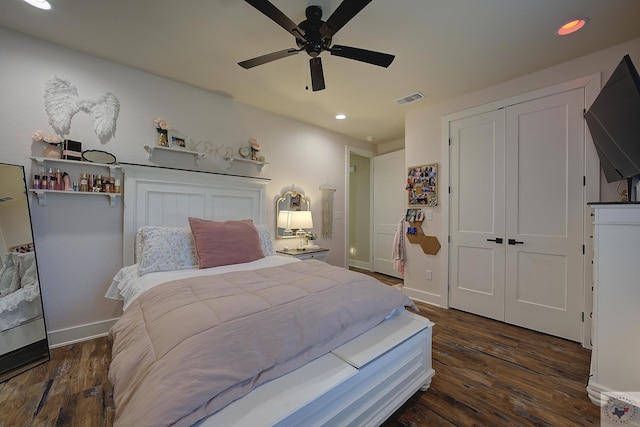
(515, 242)
(497, 240)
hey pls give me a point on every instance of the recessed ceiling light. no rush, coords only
(40, 4)
(340, 116)
(571, 26)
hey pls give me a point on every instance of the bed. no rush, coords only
(264, 340)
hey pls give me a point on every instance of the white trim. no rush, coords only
(423, 297)
(360, 264)
(591, 192)
(347, 195)
(76, 334)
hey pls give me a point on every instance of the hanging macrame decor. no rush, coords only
(327, 212)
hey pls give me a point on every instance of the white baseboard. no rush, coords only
(364, 265)
(75, 334)
(424, 297)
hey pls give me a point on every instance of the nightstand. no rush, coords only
(319, 254)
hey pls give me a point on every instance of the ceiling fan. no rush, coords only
(314, 35)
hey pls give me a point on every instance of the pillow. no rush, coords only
(265, 240)
(164, 249)
(224, 243)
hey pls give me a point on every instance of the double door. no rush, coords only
(516, 205)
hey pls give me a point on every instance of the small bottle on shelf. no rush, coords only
(84, 186)
(58, 180)
(36, 182)
(52, 180)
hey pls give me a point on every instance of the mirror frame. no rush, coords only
(17, 358)
(99, 156)
(290, 200)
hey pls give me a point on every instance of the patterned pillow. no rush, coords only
(165, 249)
(265, 239)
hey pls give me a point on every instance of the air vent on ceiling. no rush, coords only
(410, 98)
(5, 198)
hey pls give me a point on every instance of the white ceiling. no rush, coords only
(443, 48)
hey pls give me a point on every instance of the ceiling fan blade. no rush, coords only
(343, 14)
(363, 55)
(277, 16)
(317, 76)
(259, 60)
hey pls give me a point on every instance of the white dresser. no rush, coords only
(615, 358)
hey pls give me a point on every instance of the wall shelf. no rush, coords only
(42, 195)
(151, 148)
(42, 162)
(231, 159)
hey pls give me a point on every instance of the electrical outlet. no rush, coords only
(428, 274)
(337, 215)
(429, 216)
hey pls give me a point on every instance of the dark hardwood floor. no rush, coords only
(487, 374)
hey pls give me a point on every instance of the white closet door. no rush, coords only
(517, 175)
(476, 272)
(544, 203)
(389, 202)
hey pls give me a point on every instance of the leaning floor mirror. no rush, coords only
(23, 336)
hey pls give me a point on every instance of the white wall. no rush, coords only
(424, 144)
(78, 239)
(388, 147)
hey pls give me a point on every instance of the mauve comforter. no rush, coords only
(185, 349)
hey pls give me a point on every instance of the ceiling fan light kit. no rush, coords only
(313, 35)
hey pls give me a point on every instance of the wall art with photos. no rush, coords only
(422, 185)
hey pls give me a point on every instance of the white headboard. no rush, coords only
(168, 197)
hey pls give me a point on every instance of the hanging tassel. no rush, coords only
(327, 212)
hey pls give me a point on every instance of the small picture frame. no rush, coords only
(414, 215)
(295, 202)
(177, 140)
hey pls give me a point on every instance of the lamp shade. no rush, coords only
(284, 220)
(301, 219)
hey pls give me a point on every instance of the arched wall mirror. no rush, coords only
(23, 336)
(292, 212)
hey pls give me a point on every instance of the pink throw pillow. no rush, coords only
(223, 243)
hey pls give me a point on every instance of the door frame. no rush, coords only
(347, 197)
(592, 85)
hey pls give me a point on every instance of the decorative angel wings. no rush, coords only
(61, 101)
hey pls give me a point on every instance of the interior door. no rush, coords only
(389, 201)
(517, 200)
(477, 178)
(545, 202)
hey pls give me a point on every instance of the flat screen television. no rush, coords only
(614, 123)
